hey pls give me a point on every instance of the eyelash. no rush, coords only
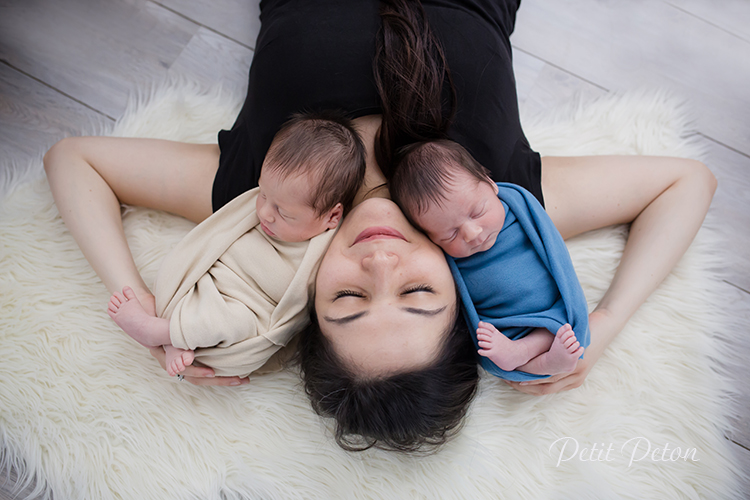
(413, 289)
(479, 214)
(418, 288)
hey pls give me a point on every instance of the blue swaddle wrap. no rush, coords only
(525, 281)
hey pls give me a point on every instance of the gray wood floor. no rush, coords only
(67, 67)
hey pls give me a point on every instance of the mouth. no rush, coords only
(378, 232)
(266, 230)
(487, 243)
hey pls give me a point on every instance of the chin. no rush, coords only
(376, 212)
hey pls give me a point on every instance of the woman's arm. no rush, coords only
(91, 176)
(665, 199)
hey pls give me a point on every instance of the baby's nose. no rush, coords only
(471, 233)
(265, 214)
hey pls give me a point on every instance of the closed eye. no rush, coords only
(480, 212)
(281, 214)
(418, 288)
(347, 293)
(450, 237)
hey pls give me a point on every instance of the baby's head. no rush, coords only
(310, 176)
(446, 193)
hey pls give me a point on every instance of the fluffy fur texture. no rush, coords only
(89, 413)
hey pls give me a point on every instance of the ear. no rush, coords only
(494, 185)
(334, 216)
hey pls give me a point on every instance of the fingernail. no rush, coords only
(235, 383)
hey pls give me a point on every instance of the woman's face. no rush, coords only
(384, 292)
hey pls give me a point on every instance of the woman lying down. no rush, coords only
(387, 354)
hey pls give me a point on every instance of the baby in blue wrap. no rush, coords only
(512, 269)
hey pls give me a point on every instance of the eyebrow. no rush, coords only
(413, 310)
(346, 319)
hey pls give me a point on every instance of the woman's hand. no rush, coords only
(603, 328)
(557, 383)
(197, 374)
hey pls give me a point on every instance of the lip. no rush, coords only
(266, 230)
(485, 241)
(378, 232)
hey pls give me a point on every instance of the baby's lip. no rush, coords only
(485, 241)
(377, 232)
(266, 230)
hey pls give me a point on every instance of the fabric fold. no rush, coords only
(525, 281)
(232, 293)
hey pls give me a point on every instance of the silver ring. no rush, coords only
(180, 378)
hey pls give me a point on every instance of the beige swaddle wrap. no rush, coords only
(232, 293)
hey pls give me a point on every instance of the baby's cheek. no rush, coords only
(454, 250)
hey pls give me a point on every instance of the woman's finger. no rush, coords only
(218, 381)
(556, 383)
(549, 380)
(197, 374)
(570, 381)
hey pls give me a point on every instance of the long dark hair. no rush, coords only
(417, 95)
(415, 411)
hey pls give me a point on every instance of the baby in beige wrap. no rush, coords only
(236, 289)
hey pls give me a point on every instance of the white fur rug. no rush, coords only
(91, 415)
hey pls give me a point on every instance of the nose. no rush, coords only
(380, 261)
(265, 213)
(471, 233)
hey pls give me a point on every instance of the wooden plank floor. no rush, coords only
(67, 67)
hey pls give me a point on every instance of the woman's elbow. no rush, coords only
(703, 181)
(60, 154)
(709, 179)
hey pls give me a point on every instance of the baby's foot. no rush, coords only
(505, 353)
(126, 310)
(563, 355)
(178, 359)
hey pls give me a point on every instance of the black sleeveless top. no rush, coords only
(318, 55)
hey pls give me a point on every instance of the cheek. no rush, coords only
(328, 274)
(455, 249)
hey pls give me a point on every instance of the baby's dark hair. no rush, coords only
(325, 145)
(415, 411)
(424, 169)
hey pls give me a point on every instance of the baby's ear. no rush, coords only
(494, 185)
(334, 216)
